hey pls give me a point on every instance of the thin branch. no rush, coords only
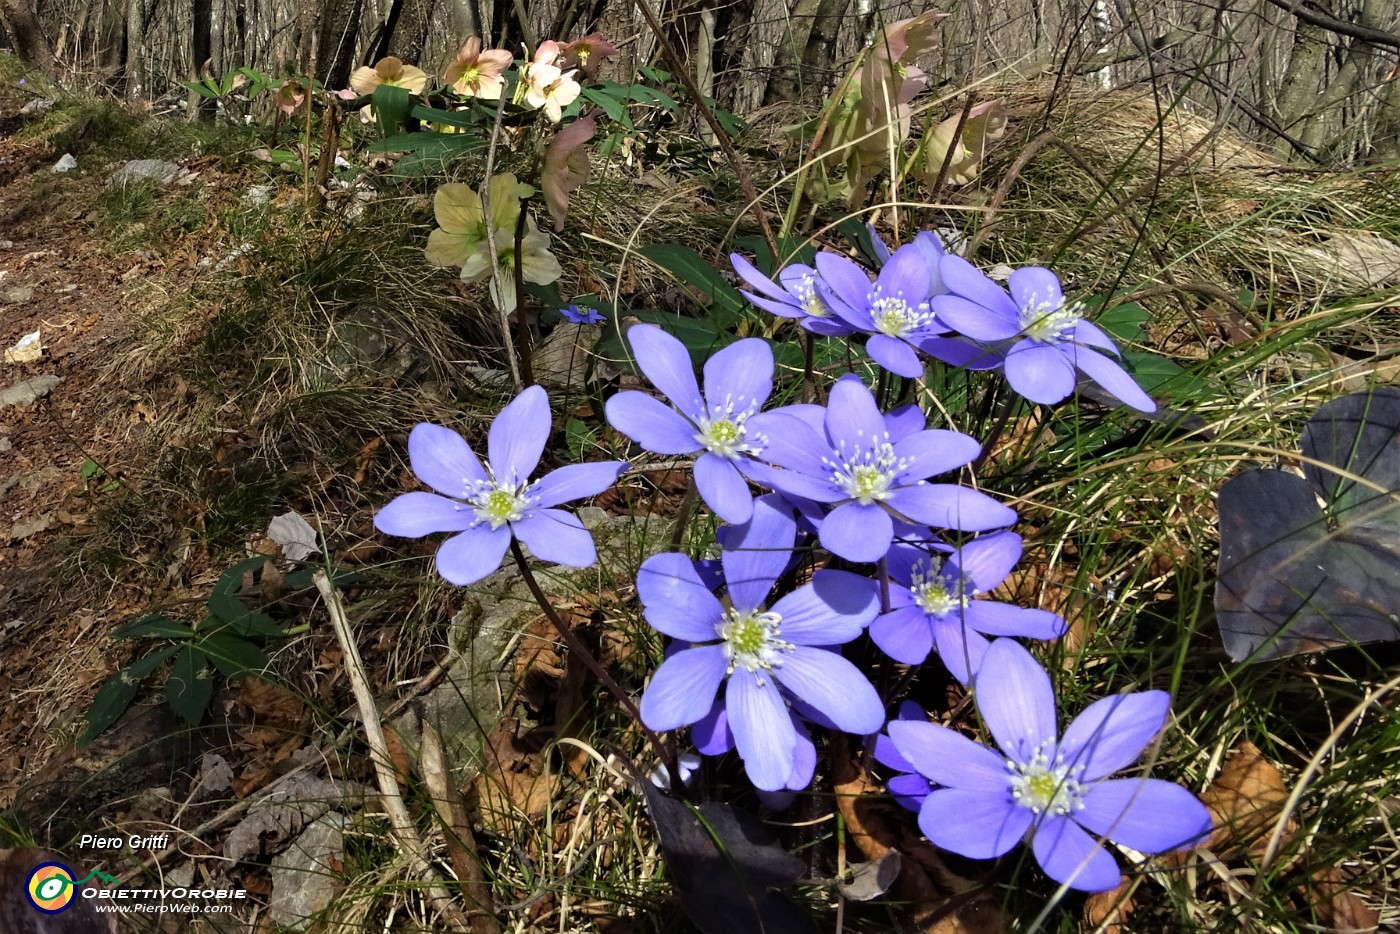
(1309, 13)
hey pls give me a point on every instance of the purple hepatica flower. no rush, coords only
(1049, 340)
(577, 315)
(894, 310)
(794, 295)
(873, 476)
(931, 605)
(724, 423)
(908, 787)
(753, 651)
(486, 506)
(712, 736)
(1056, 789)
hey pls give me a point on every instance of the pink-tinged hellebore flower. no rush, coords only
(764, 657)
(477, 73)
(291, 94)
(487, 505)
(587, 54)
(390, 71)
(546, 85)
(1054, 788)
(985, 123)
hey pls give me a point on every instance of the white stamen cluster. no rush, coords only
(723, 432)
(867, 475)
(1045, 787)
(895, 316)
(1047, 322)
(751, 640)
(497, 503)
(931, 590)
(813, 305)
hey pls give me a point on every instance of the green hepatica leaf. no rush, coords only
(190, 685)
(1299, 576)
(118, 691)
(154, 626)
(726, 305)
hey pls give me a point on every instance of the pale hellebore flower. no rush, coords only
(474, 73)
(537, 264)
(546, 85)
(390, 71)
(462, 226)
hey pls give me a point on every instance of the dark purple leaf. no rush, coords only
(1310, 564)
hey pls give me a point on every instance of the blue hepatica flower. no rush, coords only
(577, 315)
(872, 477)
(1049, 340)
(1056, 789)
(487, 505)
(931, 604)
(794, 295)
(907, 786)
(723, 423)
(763, 656)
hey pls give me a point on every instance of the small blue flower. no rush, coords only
(577, 315)
(723, 423)
(1046, 339)
(870, 475)
(931, 604)
(796, 294)
(1056, 789)
(764, 657)
(488, 505)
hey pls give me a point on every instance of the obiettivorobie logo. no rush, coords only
(51, 886)
(52, 889)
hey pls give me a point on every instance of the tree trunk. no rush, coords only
(22, 25)
(135, 50)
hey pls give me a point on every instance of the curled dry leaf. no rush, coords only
(1106, 912)
(1245, 801)
(566, 167)
(1341, 909)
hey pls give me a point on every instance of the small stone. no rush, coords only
(305, 878)
(5, 445)
(17, 295)
(7, 244)
(38, 106)
(29, 391)
(152, 170)
(66, 164)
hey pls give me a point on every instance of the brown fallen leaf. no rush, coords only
(512, 781)
(1341, 909)
(1245, 801)
(1107, 911)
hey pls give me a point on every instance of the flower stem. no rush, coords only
(666, 751)
(522, 320)
(1008, 405)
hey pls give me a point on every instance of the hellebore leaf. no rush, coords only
(726, 867)
(1313, 562)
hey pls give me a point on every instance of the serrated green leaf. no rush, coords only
(231, 581)
(190, 685)
(726, 306)
(233, 656)
(230, 614)
(614, 108)
(117, 693)
(467, 119)
(301, 580)
(154, 625)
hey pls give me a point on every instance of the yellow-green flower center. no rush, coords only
(751, 639)
(867, 475)
(1047, 322)
(932, 590)
(1045, 787)
(812, 303)
(497, 503)
(723, 431)
(892, 315)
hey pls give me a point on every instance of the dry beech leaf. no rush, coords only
(1340, 909)
(1245, 801)
(271, 704)
(1106, 911)
(513, 781)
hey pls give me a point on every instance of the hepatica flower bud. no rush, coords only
(1054, 789)
(486, 505)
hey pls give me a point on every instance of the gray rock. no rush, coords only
(36, 106)
(7, 244)
(151, 170)
(17, 295)
(65, 164)
(29, 391)
(467, 704)
(367, 340)
(283, 812)
(304, 880)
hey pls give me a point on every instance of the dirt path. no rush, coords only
(54, 278)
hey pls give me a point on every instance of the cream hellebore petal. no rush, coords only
(538, 265)
(547, 53)
(474, 73)
(551, 89)
(391, 71)
(985, 122)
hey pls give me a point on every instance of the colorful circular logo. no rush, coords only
(50, 888)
